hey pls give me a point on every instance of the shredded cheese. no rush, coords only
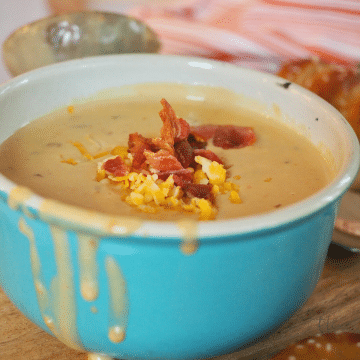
(149, 194)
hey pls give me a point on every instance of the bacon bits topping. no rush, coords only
(198, 190)
(137, 146)
(162, 161)
(204, 132)
(173, 171)
(174, 129)
(179, 175)
(334, 346)
(233, 137)
(226, 136)
(115, 166)
(184, 152)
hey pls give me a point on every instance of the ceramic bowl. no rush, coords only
(76, 35)
(154, 299)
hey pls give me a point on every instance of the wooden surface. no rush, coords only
(334, 305)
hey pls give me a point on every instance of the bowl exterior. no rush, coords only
(229, 292)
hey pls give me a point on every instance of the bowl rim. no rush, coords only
(205, 230)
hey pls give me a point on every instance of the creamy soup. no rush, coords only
(280, 168)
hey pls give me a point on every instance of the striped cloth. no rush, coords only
(258, 33)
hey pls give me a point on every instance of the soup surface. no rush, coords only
(280, 168)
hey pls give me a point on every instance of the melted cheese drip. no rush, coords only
(189, 230)
(41, 291)
(64, 291)
(57, 306)
(89, 287)
(18, 196)
(119, 307)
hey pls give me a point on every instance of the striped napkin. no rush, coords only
(258, 33)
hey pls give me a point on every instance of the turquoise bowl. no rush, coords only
(133, 290)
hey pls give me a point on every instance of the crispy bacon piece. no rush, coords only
(137, 145)
(233, 137)
(198, 190)
(184, 153)
(225, 136)
(208, 154)
(203, 132)
(174, 129)
(193, 190)
(159, 143)
(116, 166)
(162, 161)
(179, 176)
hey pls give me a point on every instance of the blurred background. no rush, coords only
(254, 33)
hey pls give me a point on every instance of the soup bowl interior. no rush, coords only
(136, 289)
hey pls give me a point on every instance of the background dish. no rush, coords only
(76, 35)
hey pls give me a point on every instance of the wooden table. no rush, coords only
(334, 305)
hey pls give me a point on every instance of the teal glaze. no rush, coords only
(248, 275)
(231, 291)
